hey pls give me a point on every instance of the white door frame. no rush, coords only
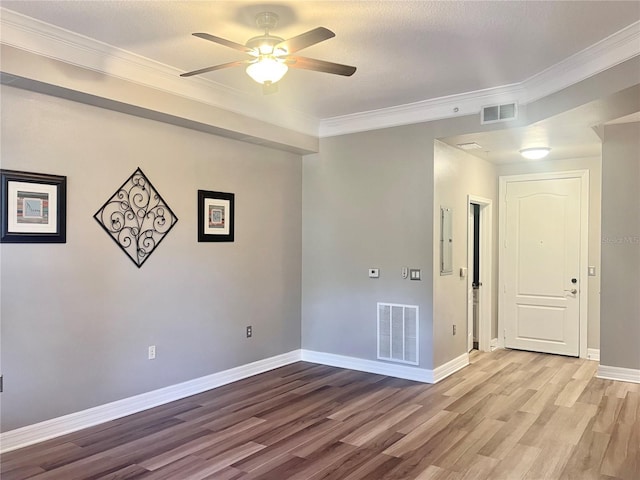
(486, 267)
(583, 176)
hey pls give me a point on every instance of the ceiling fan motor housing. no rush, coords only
(264, 44)
(267, 20)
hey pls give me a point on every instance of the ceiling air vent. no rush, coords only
(499, 113)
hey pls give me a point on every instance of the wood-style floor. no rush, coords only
(509, 415)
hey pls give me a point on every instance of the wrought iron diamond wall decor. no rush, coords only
(136, 217)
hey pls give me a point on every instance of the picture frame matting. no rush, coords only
(216, 220)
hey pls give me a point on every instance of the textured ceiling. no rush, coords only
(405, 51)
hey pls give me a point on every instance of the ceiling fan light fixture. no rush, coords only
(272, 55)
(536, 153)
(267, 69)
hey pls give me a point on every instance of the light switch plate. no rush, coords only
(592, 271)
(374, 272)
(414, 273)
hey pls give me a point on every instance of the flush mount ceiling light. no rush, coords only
(535, 153)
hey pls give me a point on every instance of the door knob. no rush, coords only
(573, 291)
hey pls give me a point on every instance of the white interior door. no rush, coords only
(542, 265)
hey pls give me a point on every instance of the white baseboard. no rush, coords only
(55, 427)
(38, 432)
(370, 366)
(451, 367)
(593, 354)
(383, 368)
(619, 373)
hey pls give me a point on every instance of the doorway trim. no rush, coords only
(583, 176)
(486, 267)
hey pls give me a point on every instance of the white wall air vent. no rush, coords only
(499, 113)
(398, 333)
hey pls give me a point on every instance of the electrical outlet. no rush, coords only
(374, 273)
(249, 331)
(152, 352)
(454, 329)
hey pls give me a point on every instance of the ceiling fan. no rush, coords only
(272, 56)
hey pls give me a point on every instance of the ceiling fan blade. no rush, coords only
(305, 40)
(215, 67)
(225, 42)
(306, 63)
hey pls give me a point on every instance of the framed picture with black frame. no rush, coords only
(33, 207)
(215, 216)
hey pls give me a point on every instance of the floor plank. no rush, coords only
(508, 415)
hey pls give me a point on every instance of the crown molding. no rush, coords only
(424, 111)
(57, 43)
(607, 53)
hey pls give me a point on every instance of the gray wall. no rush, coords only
(456, 175)
(77, 318)
(367, 202)
(620, 300)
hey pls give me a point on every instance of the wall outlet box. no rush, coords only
(374, 272)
